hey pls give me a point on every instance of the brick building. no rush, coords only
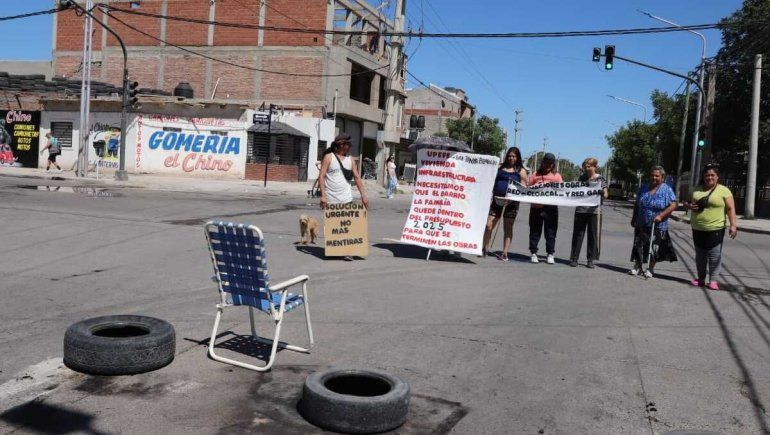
(437, 105)
(356, 97)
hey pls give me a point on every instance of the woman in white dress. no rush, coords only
(338, 169)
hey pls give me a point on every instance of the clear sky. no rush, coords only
(562, 93)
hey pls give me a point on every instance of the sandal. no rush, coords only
(502, 257)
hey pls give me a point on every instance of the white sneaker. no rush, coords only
(534, 259)
(550, 260)
(60, 170)
(633, 271)
(647, 274)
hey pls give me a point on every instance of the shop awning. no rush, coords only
(276, 129)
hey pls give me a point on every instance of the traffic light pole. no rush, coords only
(121, 173)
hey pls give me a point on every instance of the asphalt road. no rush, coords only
(487, 346)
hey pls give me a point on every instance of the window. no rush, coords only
(383, 94)
(63, 132)
(321, 149)
(361, 83)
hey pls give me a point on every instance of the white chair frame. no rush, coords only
(276, 315)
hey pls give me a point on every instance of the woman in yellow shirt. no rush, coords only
(710, 202)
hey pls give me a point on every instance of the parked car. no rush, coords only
(615, 191)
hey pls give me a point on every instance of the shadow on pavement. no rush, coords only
(41, 417)
(243, 344)
(751, 389)
(403, 250)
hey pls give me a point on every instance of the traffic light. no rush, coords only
(597, 54)
(132, 93)
(609, 56)
(702, 132)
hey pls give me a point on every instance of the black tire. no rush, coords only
(371, 401)
(119, 345)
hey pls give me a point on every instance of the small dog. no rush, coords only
(308, 229)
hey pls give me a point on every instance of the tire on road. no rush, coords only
(119, 345)
(355, 401)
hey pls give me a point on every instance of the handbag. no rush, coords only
(347, 173)
(703, 203)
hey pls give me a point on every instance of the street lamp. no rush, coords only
(121, 173)
(696, 154)
(631, 102)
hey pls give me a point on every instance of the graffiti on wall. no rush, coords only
(105, 145)
(19, 138)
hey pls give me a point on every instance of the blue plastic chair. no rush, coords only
(240, 268)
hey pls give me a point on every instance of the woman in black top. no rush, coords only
(510, 170)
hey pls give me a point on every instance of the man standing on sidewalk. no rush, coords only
(54, 149)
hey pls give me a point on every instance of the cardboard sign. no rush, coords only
(346, 230)
(451, 201)
(569, 194)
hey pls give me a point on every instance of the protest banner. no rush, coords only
(451, 201)
(346, 231)
(569, 194)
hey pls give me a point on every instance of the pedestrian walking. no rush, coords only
(655, 201)
(392, 178)
(544, 216)
(587, 218)
(338, 169)
(710, 203)
(54, 150)
(511, 170)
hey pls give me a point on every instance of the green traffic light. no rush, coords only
(701, 143)
(607, 66)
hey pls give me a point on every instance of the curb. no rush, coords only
(740, 229)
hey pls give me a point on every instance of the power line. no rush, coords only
(187, 50)
(29, 14)
(412, 34)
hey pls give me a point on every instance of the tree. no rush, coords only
(745, 33)
(486, 135)
(633, 150)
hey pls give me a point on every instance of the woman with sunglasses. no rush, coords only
(338, 169)
(710, 203)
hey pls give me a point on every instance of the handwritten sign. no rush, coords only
(451, 201)
(570, 194)
(346, 230)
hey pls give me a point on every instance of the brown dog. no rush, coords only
(308, 229)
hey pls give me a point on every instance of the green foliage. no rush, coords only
(488, 137)
(633, 149)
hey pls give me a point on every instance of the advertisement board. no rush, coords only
(19, 138)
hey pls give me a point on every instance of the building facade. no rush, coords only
(340, 77)
(437, 105)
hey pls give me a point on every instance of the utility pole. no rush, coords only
(751, 179)
(707, 118)
(85, 94)
(393, 103)
(516, 128)
(682, 140)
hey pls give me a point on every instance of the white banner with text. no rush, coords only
(569, 194)
(451, 201)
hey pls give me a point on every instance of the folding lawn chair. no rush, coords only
(240, 267)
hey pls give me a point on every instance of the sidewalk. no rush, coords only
(186, 184)
(756, 226)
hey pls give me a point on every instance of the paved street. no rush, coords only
(487, 346)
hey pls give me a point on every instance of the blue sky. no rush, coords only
(562, 93)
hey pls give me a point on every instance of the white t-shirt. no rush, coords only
(338, 189)
(392, 171)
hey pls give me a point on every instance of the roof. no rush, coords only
(277, 128)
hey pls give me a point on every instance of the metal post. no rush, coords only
(751, 179)
(269, 139)
(85, 95)
(393, 104)
(120, 174)
(682, 140)
(644, 109)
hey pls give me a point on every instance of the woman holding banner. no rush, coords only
(587, 218)
(654, 204)
(337, 171)
(710, 203)
(544, 216)
(509, 171)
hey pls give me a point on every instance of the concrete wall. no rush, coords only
(27, 67)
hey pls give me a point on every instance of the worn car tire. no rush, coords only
(119, 345)
(373, 401)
